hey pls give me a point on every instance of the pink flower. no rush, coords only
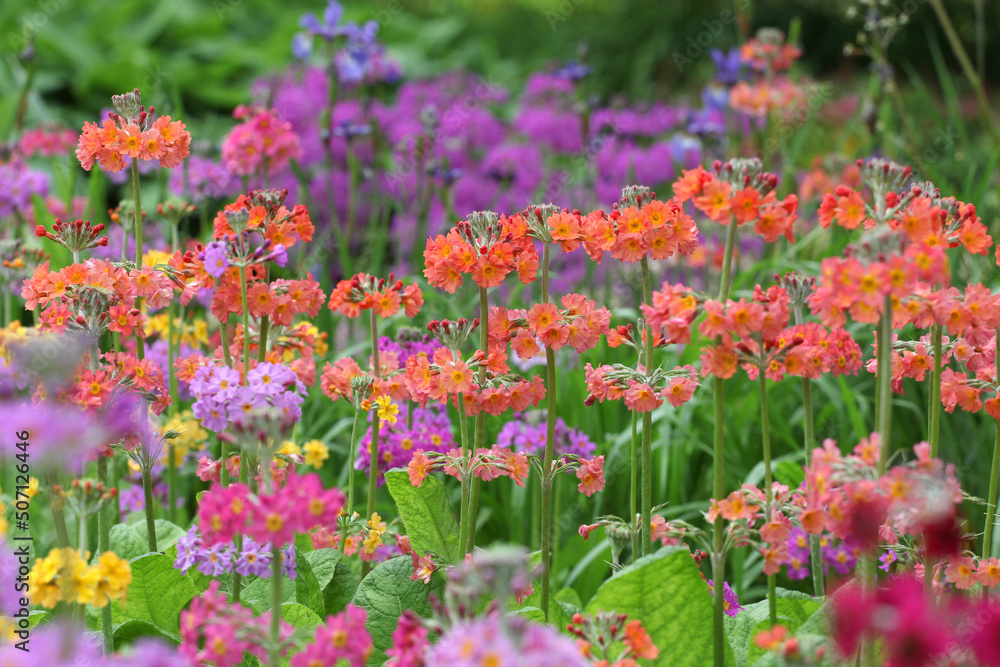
(591, 476)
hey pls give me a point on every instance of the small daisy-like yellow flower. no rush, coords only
(315, 453)
(387, 410)
(32, 490)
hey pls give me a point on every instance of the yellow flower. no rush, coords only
(114, 576)
(316, 452)
(32, 488)
(43, 586)
(79, 582)
(375, 524)
(372, 542)
(289, 448)
(387, 410)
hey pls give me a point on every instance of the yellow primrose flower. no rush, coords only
(315, 452)
(387, 410)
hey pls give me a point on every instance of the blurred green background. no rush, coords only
(205, 53)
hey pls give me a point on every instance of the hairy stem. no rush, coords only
(352, 449)
(765, 430)
(103, 544)
(645, 531)
(718, 470)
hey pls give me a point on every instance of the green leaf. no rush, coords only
(666, 592)
(156, 595)
(129, 631)
(299, 616)
(426, 515)
(341, 589)
(794, 609)
(385, 593)
(132, 540)
(323, 563)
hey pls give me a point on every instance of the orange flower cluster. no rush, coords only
(740, 191)
(485, 246)
(579, 323)
(384, 297)
(133, 133)
(268, 215)
(446, 376)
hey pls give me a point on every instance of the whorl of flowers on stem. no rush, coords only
(132, 133)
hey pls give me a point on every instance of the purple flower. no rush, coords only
(216, 258)
(188, 548)
(211, 412)
(727, 65)
(730, 603)
(798, 543)
(288, 563)
(887, 559)
(206, 179)
(839, 557)
(254, 559)
(216, 560)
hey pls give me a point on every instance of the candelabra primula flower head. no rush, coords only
(75, 236)
(134, 133)
(383, 296)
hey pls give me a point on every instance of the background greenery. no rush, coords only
(202, 56)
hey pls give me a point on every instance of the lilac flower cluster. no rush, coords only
(430, 431)
(220, 400)
(61, 644)
(523, 434)
(202, 179)
(253, 559)
(19, 184)
(407, 345)
(132, 498)
(495, 640)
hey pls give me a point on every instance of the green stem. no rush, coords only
(224, 335)
(634, 485)
(265, 325)
(883, 337)
(275, 653)
(765, 429)
(174, 404)
(373, 445)
(463, 512)
(352, 450)
(933, 430)
(103, 544)
(550, 438)
(82, 537)
(991, 499)
(645, 532)
(885, 384)
(140, 346)
(58, 515)
(809, 439)
(246, 323)
(147, 492)
(484, 345)
(934, 419)
(718, 472)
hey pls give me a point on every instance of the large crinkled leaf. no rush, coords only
(299, 616)
(129, 631)
(794, 609)
(304, 589)
(340, 591)
(156, 595)
(132, 540)
(385, 593)
(426, 515)
(666, 592)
